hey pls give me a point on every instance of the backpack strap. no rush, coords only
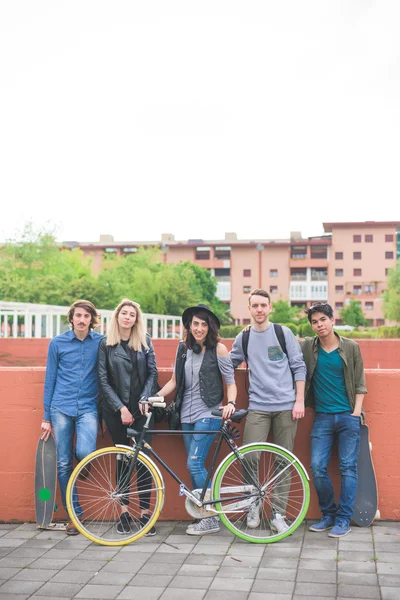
(281, 337)
(245, 345)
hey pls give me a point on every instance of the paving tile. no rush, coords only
(357, 579)
(227, 584)
(379, 548)
(160, 568)
(279, 563)
(241, 561)
(60, 590)
(356, 556)
(214, 549)
(221, 595)
(176, 549)
(246, 549)
(237, 573)
(35, 575)
(16, 562)
(10, 543)
(132, 593)
(277, 552)
(356, 546)
(177, 559)
(100, 591)
(20, 587)
(15, 596)
(319, 590)
(197, 570)
(264, 596)
(51, 563)
(110, 578)
(200, 583)
(389, 593)
(390, 557)
(35, 543)
(123, 567)
(8, 526)
(387, 568)
(20, 534)
(180, 594)
(83, 565)
(311, 576)
(327, 554)
(204, 559)
(8, 572)
(23, 552)
(389, 580)
(78, 577)
(140, 548)
(276, 574)
(356, 567)
(358, 591)
(319, 565)
(55, 553)
(153, 581)
(270, 586)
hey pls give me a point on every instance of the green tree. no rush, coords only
(34, 269)
(284, 313)
(353, 314)
(391, 296)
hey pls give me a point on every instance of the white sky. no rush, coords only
(135, 118)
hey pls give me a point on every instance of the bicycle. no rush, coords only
(261, 475)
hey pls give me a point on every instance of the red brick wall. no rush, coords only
(21, 391)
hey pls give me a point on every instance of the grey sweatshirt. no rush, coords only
(271, 384)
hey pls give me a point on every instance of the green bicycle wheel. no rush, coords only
(263, 493)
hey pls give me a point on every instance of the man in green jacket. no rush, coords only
(335, 387)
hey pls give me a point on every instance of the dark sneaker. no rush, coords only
(124, 524)
(340, 529)
(324, 524)
(143, 521)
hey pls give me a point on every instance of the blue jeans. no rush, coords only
(197, 447)
(346, 429)
(86, 427)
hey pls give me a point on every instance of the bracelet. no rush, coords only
(231, 402)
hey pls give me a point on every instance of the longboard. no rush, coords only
(45, 483)
(366, 504)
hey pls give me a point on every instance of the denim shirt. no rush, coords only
(71, 374)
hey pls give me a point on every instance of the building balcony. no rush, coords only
(224, 290)
(308, 291)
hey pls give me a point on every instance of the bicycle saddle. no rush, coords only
(132, 432)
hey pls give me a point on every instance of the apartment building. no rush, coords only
(351, 260)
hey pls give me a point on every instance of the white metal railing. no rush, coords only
(223, 290)
(24, 320)
(308, 291)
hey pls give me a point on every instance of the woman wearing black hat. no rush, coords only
(202, 363)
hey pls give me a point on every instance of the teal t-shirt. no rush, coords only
(329, 384)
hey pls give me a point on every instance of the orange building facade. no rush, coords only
(351, 260)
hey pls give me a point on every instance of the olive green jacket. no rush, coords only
(350, 354)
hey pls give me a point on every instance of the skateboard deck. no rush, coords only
(366, 504)
(45, 483)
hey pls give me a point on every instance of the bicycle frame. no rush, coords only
(223, 434)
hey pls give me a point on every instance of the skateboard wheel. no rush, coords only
(378, 515)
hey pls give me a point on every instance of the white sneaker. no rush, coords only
(253, 516)
(279, 524)
(203, 526)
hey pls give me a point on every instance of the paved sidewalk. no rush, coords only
(174, 566)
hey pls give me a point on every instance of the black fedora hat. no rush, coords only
(189, 313)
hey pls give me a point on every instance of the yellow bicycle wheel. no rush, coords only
(105, 501)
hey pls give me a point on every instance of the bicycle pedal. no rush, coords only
(182, 489)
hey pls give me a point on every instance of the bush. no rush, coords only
(389, 332)
(305, 330)
(230, 331)
(358, 335)
(293, 328)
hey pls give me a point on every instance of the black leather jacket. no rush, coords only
(115, 370)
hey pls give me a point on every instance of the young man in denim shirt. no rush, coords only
(70, 392)
(335, 387)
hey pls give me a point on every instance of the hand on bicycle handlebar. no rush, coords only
(143, 405)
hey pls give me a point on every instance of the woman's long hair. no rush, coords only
(137, 339)
(213, 336)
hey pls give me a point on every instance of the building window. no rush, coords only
(222, 252)
(110, 250)
(339, 255)
(246, 272)
(339, 272)
(369, 305)
(130, 250)
(319, 252)
(388, 254)
(338, 305)
(273, 289)
(339, 289)
(388, 238)
(357, 290)
(246, 289)
(203, 253)
(356, 238)
(357, 255)
(297, 274)
(298, 252)
(246, 321)
(319, 274)
(369, 237)
(357, 272)
(369, 288)
(273, 272)
(380, 322)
